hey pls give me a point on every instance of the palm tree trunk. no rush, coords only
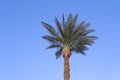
(66, 68)
(66, 55)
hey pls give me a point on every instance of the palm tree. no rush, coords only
(69, 37)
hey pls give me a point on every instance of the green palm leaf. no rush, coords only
(58, 53)
(59, 27)
(54, 46)
(63, 21)
(73, 21)
(49, 28)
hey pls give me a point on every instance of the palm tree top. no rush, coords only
(70, 34)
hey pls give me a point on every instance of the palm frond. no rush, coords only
(54, 46)
(59, 27)
(58, 53)
(49, 28)
(91, 37)
(69, 19)
(63, 21)
(49, 38)
(52, 39)
(81, 30)
(73, 21)
(84, 27)
(85, 33)
(81, 49)
(86, 41)
(68, 26)
(78, 27)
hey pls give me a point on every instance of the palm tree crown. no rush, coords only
(74, 36)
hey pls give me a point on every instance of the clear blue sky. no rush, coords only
(22, 50)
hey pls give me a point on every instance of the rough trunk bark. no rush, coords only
(66, 55)
(66, 68)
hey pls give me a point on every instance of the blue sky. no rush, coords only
(22, 50)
